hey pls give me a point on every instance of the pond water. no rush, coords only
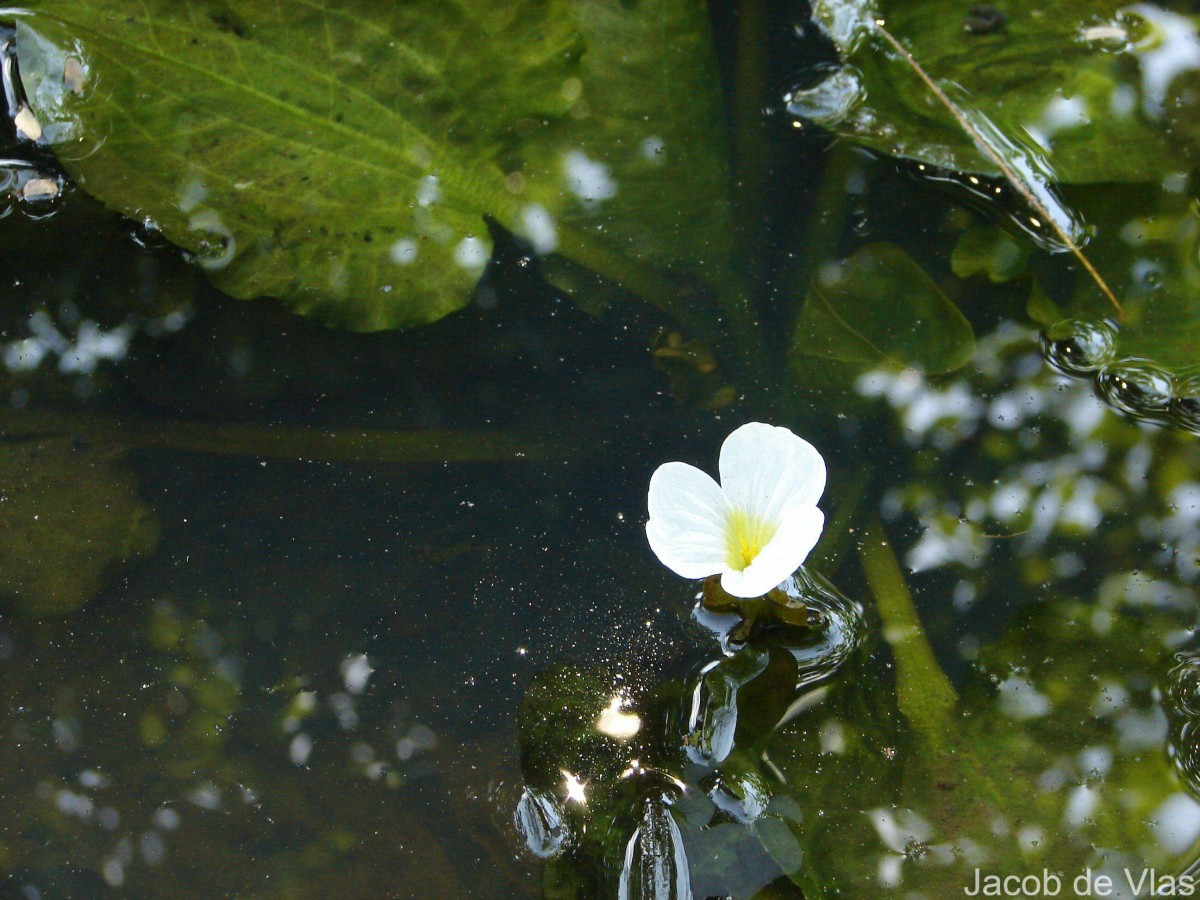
(292, 610)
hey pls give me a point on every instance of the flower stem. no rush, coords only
(826, 557)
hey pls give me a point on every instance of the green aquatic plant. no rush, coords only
(344, 157)
(72, 516)
(1048, 100)
(1070, 80)
(364, 186)
(682, 789)
(602, 149)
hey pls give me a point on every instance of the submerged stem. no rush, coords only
(923, 692)
(998, 161)
(292, 442)
(649, 284)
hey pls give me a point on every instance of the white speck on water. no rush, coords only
(92, 779)
(152, 847)
(538, 226)
(653, 148)
(404, 252)
(429, 191)
(1061, 114)
(1123, 101)
(24, 355)
(589, 179)
(192, 194)
(166, 819)
(356, 672)
(206, 796)
(1020, 700)
(1176, 822)
(339, 278)
(1169, 48)
(300, 748)
(113, 873)
(471, 253)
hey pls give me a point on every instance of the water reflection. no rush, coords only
(79, 354)
(656, 787)
(325, 704)
(144, 788)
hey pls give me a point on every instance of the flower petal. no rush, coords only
(688, 516)
(767, 470)
(783, 554)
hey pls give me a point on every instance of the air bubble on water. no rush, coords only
(218, 245)
(654, 149)
(1080, 347)
(471, 253)
(831, 100)
(1137, 387)
(145, 231)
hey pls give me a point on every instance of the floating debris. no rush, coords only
(28, 127)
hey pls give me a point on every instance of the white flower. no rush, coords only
(756, 527)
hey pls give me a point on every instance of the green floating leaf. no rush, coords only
(1077, 80)
(343, 156)
(878, 307)
(1040, 308)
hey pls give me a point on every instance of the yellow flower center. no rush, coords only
(745, 536)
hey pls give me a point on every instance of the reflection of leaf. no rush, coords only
(1044, 74)
(654, 117)
(342, 156)
(878, 306)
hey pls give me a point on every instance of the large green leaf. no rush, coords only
(878, 307)
(1087, 83)
(343, 155)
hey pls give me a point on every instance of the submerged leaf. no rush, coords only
(72, 514)
(343, 156)
(990, 251)
(878, 307)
